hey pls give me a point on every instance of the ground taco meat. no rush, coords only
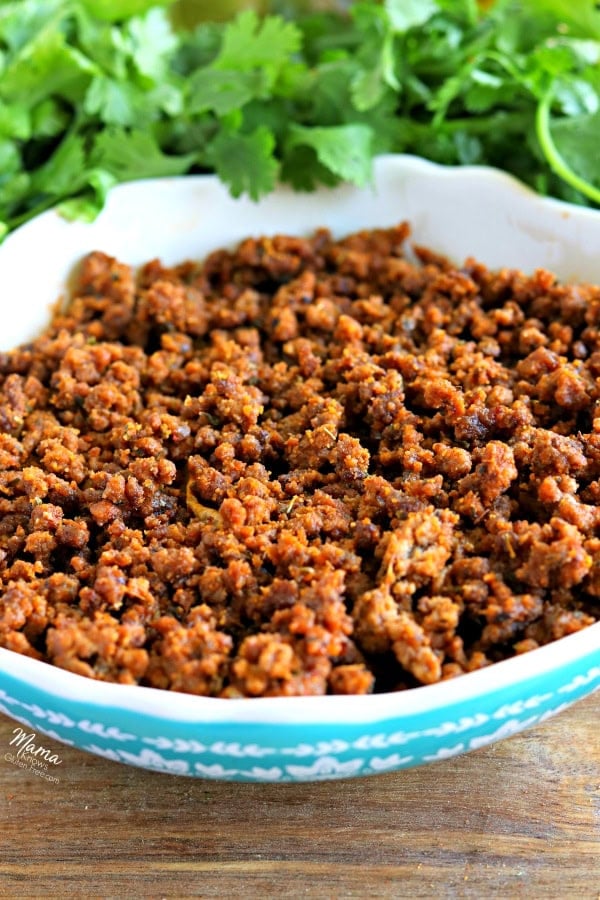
(306, 466)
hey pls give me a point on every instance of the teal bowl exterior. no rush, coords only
(459, 212)
(298, 739)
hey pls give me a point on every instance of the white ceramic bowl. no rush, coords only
(460, 212)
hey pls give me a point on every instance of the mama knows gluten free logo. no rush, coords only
(26, 754)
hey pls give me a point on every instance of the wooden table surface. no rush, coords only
(517, 819)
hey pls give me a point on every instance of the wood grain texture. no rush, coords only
(518, 819)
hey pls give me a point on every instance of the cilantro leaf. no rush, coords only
(107, 45)
(327, 93)
(129, 155)
(48, 119)
(152, 43)
(93, 92)
(367, 88)
(570, 148)
(223, 90)
(406, 14)
(64, 171)
(10, 158)
(198, 48)
(377, 58)
(21, 21)
(250, 43)
(111, 100)
(245, 162)
(44, 67)
(577, 140)
(576, 96)
(15, 121)
(343, 149)
(301, 168)
(581, 17)
(87, 205)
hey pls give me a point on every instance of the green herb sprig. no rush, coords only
(90, 96)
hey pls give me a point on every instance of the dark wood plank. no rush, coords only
(518, 819)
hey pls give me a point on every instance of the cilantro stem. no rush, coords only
(41, 207)
(555, 160)
(481, 125)
(508, 122)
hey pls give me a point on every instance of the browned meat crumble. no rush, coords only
(306, 466)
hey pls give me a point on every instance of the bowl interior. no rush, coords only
(460, 212)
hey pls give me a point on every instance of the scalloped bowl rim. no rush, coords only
(166, 705)
(174, 706)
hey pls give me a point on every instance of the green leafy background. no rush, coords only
(96, 92)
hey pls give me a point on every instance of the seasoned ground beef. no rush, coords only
(306, 466)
